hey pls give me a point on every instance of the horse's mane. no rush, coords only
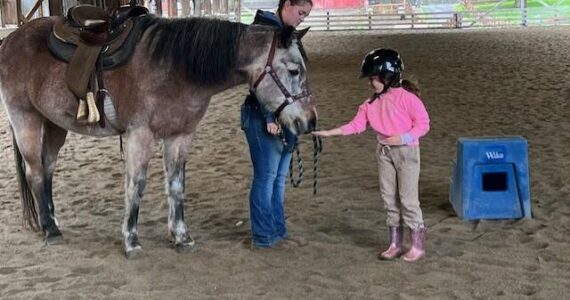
(205, 50)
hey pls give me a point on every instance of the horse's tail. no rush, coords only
(30, 213)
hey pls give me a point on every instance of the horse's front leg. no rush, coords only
(175, 152)
(138, 154)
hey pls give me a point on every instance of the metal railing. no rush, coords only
(328, 20)
(370, 20)
(374, 18)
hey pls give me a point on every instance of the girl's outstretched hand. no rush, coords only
(325, 133)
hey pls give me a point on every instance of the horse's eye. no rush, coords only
(294, 72)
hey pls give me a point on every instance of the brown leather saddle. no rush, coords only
(91, 40)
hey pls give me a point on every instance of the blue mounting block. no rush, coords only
(491, 178)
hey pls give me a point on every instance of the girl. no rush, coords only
(269, 154)
(399, 118)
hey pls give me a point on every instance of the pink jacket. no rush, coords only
(397, 112)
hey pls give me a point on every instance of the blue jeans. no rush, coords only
(270, 166)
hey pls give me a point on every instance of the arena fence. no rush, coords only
(478, 13)
(369, 20)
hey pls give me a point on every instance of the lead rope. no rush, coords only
(317, 148)
(297, 182)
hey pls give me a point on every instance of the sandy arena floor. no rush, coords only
(495, 82)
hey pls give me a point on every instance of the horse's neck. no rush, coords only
(253, 45)
(235, 78)
(253, 50)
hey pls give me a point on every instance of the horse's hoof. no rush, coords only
(185, 247)
(133, 252)
(54, 239)
(53, 236)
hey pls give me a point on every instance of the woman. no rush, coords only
(270, 153)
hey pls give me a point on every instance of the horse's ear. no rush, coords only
(287, 36)
(301, 33)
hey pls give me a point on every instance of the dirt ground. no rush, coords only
(474, 83)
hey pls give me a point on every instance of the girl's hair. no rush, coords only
(293, 2)
(411, 86)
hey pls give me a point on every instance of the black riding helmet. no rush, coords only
(387, 65)
(384, 63)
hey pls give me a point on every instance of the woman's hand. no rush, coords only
(273, 128)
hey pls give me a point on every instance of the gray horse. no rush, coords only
(160, 94)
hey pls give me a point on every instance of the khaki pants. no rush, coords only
(399, 172)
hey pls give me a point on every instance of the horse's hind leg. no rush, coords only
(175, 152)
(38, 143)
(54, 138)
(138, 154)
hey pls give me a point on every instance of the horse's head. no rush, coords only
(280, 82)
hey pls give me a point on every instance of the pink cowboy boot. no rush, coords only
(417, 251)
(395, 249)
